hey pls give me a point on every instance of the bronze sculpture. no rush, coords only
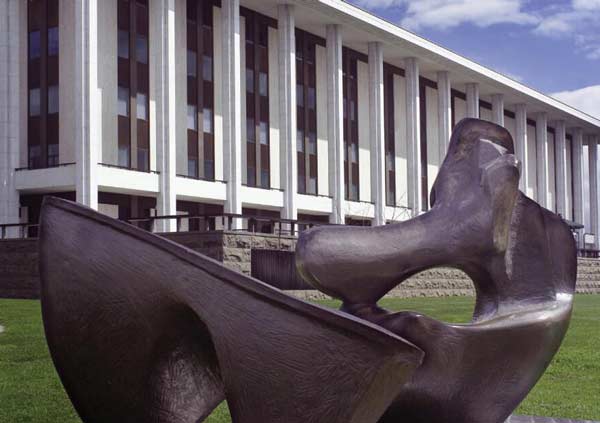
(521, 258)
(142, 329)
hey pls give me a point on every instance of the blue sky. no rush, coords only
(552, 46)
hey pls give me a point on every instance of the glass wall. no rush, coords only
(43, 92)
(133, 85)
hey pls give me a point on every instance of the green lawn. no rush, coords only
(31, 392)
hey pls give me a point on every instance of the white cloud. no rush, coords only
(447, 13)
(558, 25)
(377, 4)
(585, 99)
(586, 4)
(578, 21)
(444, 14)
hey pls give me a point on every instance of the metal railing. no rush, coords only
(19, 169)
(199, 178)
(261, 187)
(588, 253)
(18, 230)
(113, 166)
(190, 223)
(218, 222)
(228, 222)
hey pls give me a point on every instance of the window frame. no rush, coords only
(258, 167)
(201, 90)
(133, 18)
(389, 108)
(42, 73)
(350, 59)
(306, 117)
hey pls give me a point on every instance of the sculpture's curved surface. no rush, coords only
(521, 258)
(143, 330)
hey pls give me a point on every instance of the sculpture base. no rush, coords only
(531, 419)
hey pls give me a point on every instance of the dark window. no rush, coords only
(257, 100)
(131, 207)
(192, 117)
(350, 82)
(34, 102)
(142, 106)
(35, 156)
(357, 222)
(423, 113)
(192, 167)
(53, 41)
(133, 81)
(262, 221)
(192, 63)
(306, 109)
(52, 154)
(123, 44)
(53, 99)
(206, 216)
(43, 89)
(389, 129)
(123, 101)
(553, 184)
(570, 149)
(141, 52)
(207, 68)
(454, 95)
(124, 155)
(200, 116)
(34, 45)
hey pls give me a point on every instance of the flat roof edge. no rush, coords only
(389, 32)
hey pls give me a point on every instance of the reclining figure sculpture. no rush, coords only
(520, 256)
(144, 330)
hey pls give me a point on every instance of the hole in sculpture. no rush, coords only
(439, 282)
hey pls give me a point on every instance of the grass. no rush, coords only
(30, 390)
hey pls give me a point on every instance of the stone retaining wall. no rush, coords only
(445, 282)
(19, 276)
(230, 247)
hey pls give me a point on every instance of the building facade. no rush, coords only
(302, 110)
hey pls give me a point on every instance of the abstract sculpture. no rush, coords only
(521, 258)
(144, 330)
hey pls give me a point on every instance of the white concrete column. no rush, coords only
(541, 147)
(472, 100)
(521, 144)
(560, 158)
(166, 202)
(376, 118)
(444, 111)
(232, 110)
(287, 109)
(11, 77)
(413, 135)
(577, 170)
(88, 100)
(335, 122)
(498, 109)
(593, 158)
